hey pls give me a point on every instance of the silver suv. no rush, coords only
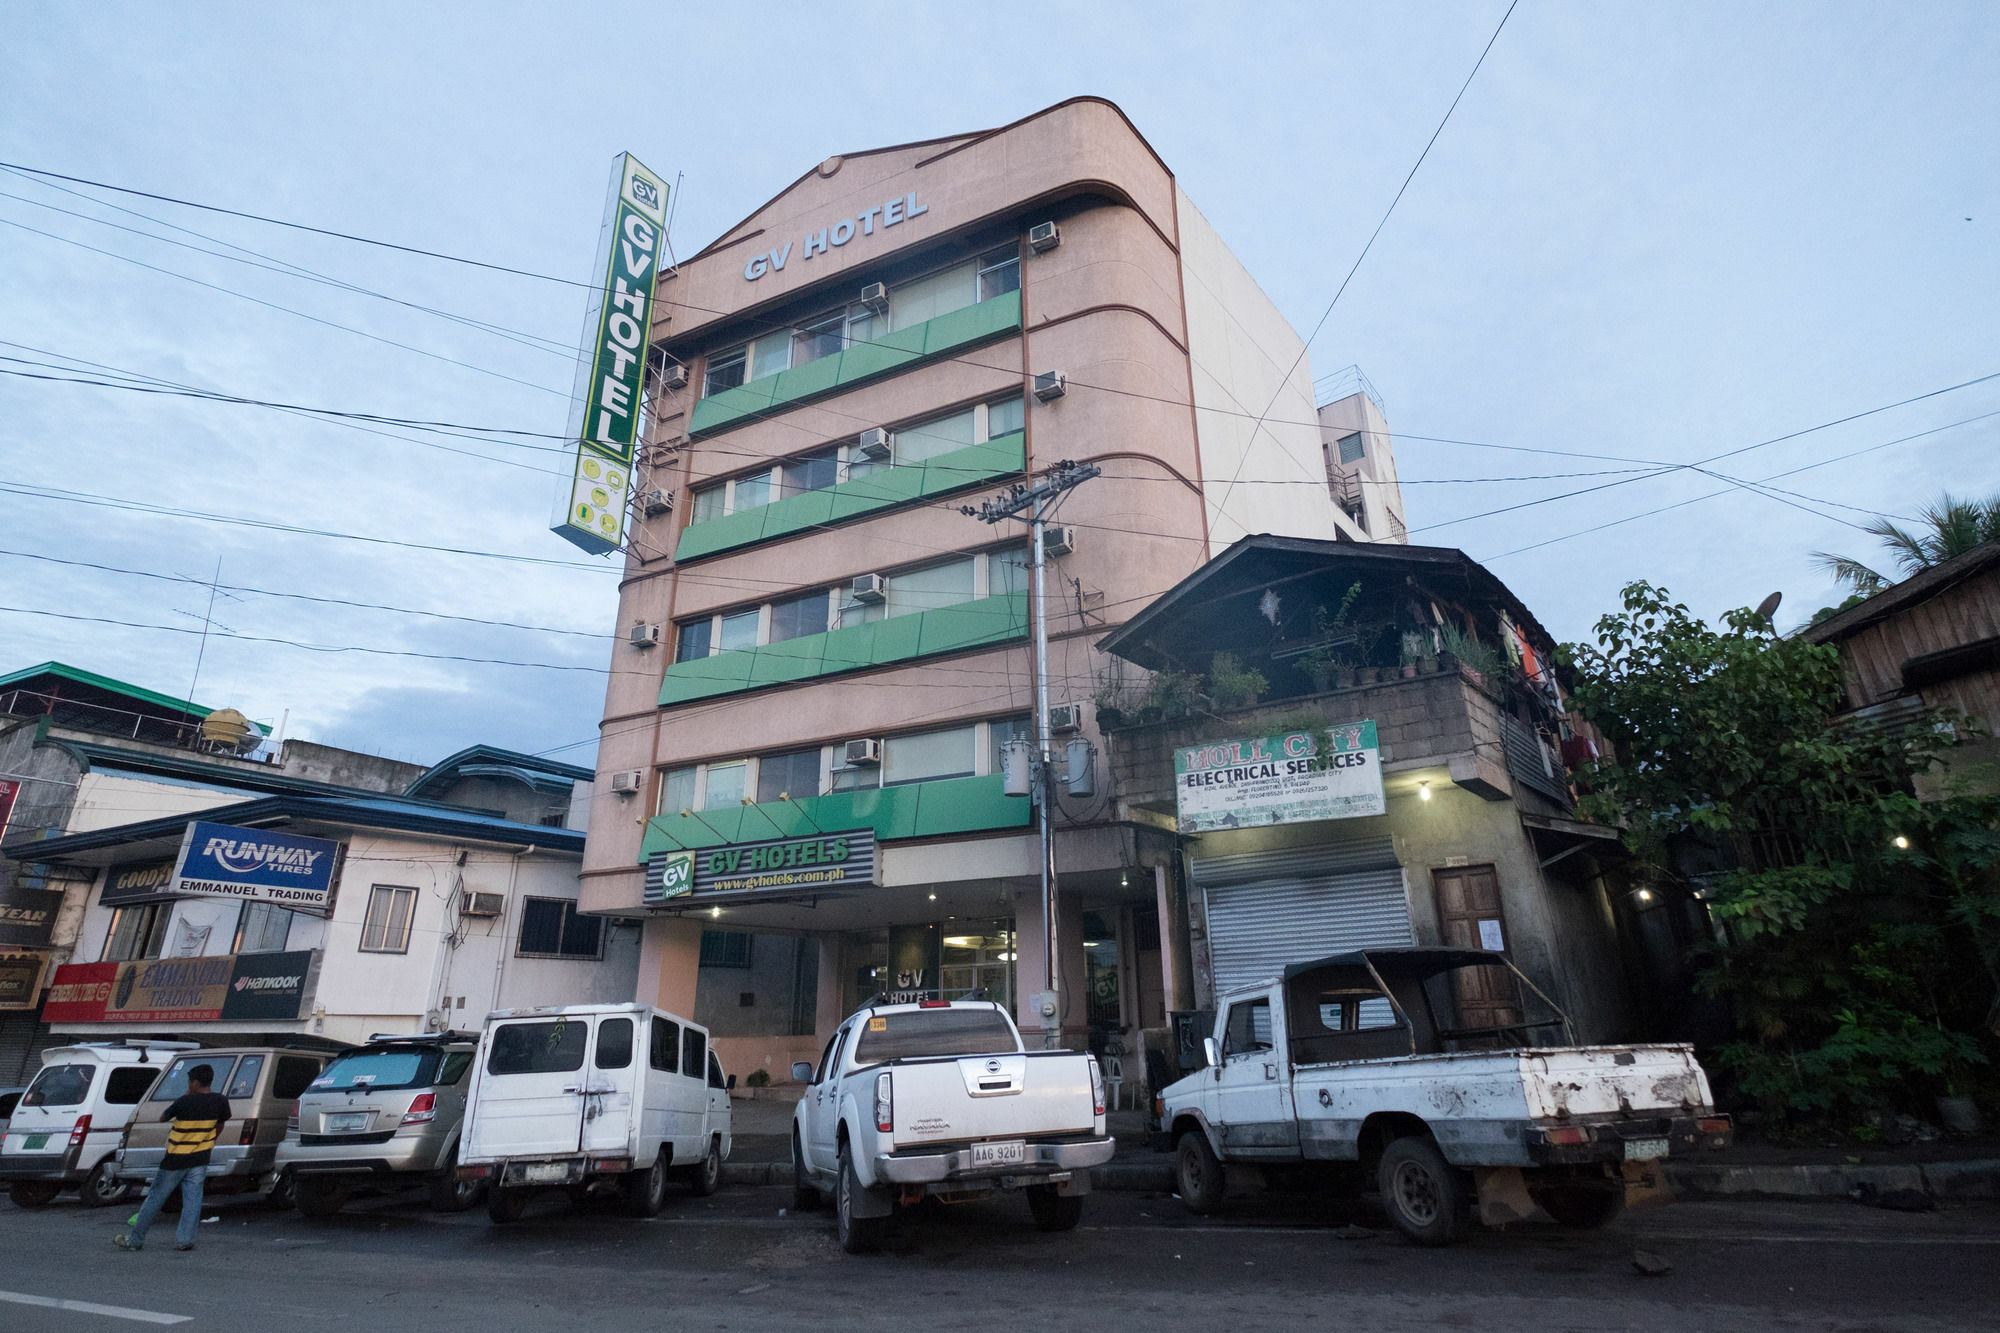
(383, 1116)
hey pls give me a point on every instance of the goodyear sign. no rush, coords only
(611, 366)
(255, 865)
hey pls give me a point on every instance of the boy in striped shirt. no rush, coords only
(198, 1117)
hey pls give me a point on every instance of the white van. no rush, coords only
(570, 1096)
(67, 1125)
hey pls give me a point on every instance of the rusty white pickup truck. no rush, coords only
(939, 1098)
(1354, 1068)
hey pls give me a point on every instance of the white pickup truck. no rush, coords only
(940, 1098)
(1355, 1067)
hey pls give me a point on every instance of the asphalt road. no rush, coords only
(739, 1260)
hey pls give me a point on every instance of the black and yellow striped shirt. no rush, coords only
(198, 1119)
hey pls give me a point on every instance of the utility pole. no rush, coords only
(1040, 501)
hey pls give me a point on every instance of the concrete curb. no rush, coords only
(1940, 1180)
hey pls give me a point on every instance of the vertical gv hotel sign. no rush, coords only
(611, 366)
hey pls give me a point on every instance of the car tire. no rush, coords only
(1054, 1210)
(102, 1187)
(446, 1192)
(318, 1196)
(858, 1235)
(645, 1192)
(1198, 1174)
(34, 1193)
(1421, 1193)
(805, 1194)
(706, 1178)
(1580, 1207)
(506, 1205)
(282, 1194)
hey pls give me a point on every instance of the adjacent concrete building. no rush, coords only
(822, 657)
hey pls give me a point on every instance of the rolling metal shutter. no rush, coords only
(1270, 909)
(20, 1030)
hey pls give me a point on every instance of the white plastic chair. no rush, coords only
(1113, 1069)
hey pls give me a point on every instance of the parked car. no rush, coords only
(64, 1132)
(382, 1116)
(262, 1083)
(940, 1098)
(1358, 1061)
(593, 1095)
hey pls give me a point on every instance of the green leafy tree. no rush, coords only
(1949, 527)
(1859, 926)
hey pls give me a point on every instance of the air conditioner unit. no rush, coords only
(674, 377)
(481, 904)
(1044, 236)
(869, 588)
(1058, 541)
(861, 754)
(1065, 717)
(1050, 385)
(657, 502)
(876, 297)
(628, 781)
(875, 444)
(645, 636)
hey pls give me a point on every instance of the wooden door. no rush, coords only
(1470, 917)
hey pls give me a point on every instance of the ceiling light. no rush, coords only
(933, 897)
(1902, 843)
(1644, 895)
(1424, 790)
(715, 911)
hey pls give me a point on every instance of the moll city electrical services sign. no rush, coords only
(255, 865)
(611, 366)
(823, 861)
(1279, 779)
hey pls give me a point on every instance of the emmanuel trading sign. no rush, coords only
(611, 365)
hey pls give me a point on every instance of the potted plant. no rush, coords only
(1329, 661)
(1474, 658)
(1235, 686)
(1414, 647)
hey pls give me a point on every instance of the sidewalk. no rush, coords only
(1947, 1172)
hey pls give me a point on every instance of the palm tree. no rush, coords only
(1949, 527)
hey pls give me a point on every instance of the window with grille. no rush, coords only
(553, 928)
(725, 948)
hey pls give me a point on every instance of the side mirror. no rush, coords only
(802, 1072)
(1211, 1052)
(730, 1083)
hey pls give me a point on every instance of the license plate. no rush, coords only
(1644, 1150)
(346, 1122)
(536, 1173)
(35, 1143)
(999, 1154)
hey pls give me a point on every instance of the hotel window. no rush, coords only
(991, 574)
(387, 926)
(693, 639)
(828, 331)
(677, 790)
(725, 948)
(795, 617)
(928, 756)
(723, 785)
(828, 466)
(138, 930)
(262, 928)
(553, 928)
(794, 774)
(737, 629)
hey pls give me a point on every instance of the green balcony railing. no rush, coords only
(913, 810)
(943, 629)
(887, 488)
(879, 356)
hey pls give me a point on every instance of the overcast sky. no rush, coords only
(1660, 232)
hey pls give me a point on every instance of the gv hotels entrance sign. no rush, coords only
(1286, 779)
(824, 861)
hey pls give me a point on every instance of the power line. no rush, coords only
(1356, 268)
(298, 226)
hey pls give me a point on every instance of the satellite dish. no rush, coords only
(1769, 606)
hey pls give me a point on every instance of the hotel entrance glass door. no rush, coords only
(978, 956)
